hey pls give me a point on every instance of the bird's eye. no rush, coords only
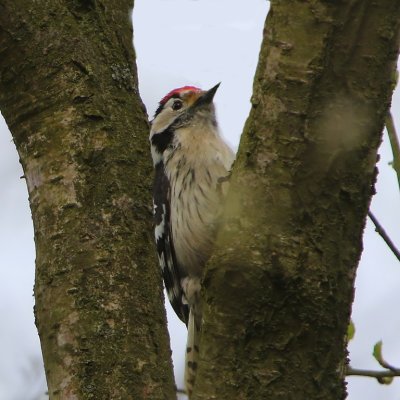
(177, 105)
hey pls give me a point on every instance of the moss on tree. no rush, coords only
(69, 94)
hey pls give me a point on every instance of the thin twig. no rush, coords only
(372, 374)
(384, 235)
(394, 143)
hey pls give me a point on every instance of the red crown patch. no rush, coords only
(177, 91)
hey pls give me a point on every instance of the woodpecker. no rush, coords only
(191, 163)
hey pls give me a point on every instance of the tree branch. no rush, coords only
(262, 286)
(99, 305)
(384, 235)
(383, 377)
(379, 375)
(394, 143)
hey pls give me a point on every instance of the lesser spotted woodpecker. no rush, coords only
(190, 160)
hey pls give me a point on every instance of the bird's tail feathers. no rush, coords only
(192, 353)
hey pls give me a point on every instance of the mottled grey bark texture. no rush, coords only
(68, 91)
(279, 287)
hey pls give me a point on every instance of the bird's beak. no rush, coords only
(207, 97)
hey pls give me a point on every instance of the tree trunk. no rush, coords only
(69, 94)
(279, 287)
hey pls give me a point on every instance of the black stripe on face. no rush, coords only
(163, 139)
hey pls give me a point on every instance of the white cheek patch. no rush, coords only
(163, 120)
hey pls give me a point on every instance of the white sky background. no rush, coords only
(180, 42)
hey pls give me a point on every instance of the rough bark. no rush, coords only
(279, 287)
(69, 94)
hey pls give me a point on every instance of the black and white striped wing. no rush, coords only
(164, 242)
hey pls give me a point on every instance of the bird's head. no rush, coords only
(181, 105)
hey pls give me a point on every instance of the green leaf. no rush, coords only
(377, 352)
(351, 330)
